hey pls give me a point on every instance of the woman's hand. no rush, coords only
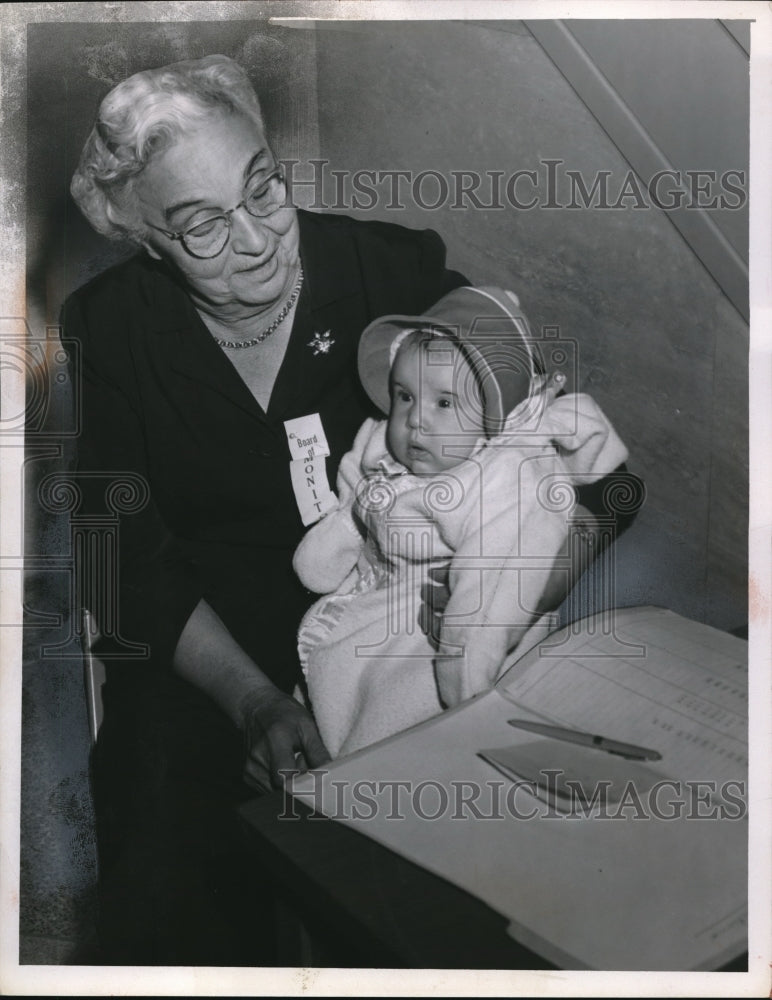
(280, 736)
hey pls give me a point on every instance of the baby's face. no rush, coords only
(436, 414)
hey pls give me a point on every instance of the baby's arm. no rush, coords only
(499, 570)
(329, 551)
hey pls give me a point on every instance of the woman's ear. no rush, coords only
(153, 253)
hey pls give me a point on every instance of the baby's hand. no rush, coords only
(555, 385)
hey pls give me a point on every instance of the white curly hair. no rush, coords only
(142, 116)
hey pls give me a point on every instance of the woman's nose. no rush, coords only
(248, 234)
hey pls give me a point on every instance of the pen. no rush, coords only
(628, 750)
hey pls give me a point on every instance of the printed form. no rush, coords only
(652, 877)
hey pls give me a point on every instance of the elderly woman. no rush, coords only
(239, 315)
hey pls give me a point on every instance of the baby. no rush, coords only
(463, 474)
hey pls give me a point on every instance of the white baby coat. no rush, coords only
(495, 523)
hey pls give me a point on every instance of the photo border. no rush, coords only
(68, 980)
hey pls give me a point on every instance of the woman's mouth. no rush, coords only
(259, 267)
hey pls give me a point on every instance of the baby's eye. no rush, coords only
(445, 404)
(403, 396)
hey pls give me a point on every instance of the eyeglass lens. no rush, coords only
(209, 238)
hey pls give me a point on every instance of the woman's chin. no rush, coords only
(266, 284)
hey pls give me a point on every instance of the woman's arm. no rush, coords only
(159, 596)
(279, 734)
(153, 586)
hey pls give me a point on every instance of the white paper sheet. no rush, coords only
(630, 889)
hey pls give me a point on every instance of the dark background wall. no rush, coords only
(658, 343)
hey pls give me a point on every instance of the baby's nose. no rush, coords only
(414, 416)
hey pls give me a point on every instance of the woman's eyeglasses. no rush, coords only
(209, 238)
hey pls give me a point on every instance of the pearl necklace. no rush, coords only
(237, 344)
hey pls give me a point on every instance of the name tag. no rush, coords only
(308, 473)
(306, 437)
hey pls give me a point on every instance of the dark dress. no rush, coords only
(163, 406)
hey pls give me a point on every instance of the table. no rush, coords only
(346, 901)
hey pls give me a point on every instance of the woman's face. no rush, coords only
(203, 174)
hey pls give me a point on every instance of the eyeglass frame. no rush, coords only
(227, 216)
